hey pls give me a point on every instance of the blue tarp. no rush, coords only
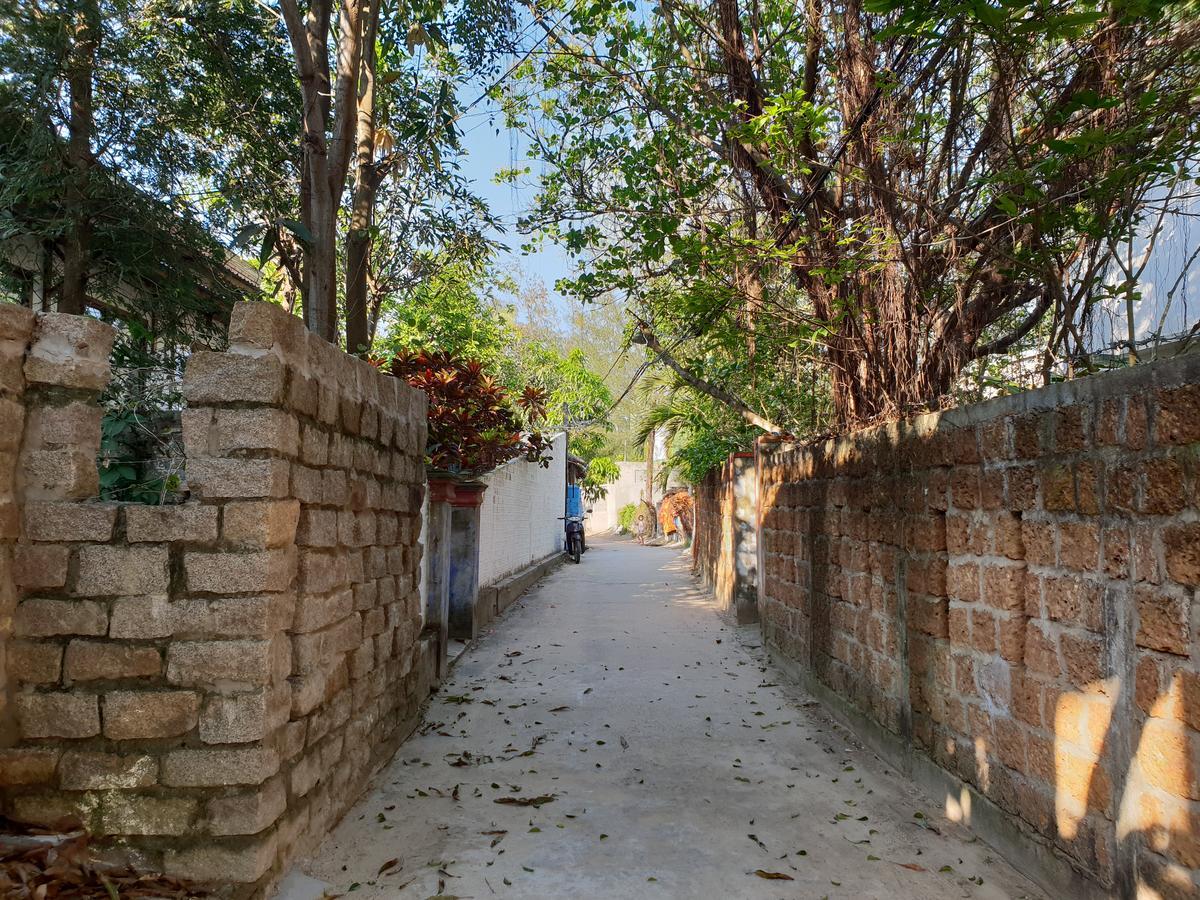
(574, 500)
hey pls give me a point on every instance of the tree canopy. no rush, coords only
(797, 217)
(822, 214)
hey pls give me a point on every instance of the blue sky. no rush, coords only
(487, 152)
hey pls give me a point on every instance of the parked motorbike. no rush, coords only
(575, 538)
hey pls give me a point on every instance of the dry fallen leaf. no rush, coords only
(526, 801)
(773, 876)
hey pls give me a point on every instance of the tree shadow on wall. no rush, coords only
(1145, 773)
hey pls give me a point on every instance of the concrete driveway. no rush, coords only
(614, 737)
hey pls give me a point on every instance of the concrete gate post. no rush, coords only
(744, 476)
(437, 572)
(464, 622)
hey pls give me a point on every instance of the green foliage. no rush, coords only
(986, 190)
(474, 424)
(459, 311)
(141, 453)
(454, 310)
(625, 516)
(601, 472)
(124, 474)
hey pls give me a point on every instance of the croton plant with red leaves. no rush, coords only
(474, 425)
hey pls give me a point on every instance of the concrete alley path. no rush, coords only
(614, 737)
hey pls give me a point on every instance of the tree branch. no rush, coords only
(705, 387)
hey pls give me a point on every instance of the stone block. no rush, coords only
(314, 446)
(212, 662)
(1181, 547)
(16, 323)
(49, 521)
(306, 773)
(70, 351)
(1004, 587)
(136, 814)
(40, 566)
(317, 528)
(308, 692)
(109, 661)
(196, 424)
(34, 662)
(1166, 755)
(238, 862)
(47, 809)
(362, 659)
(74, 425)
(12, 368)
(1178, 419)
(141, 618)
(10, 520)
(261, 523)
(223, 479)
(108, 571)
(334, 491)
(234, 617)
(306, 484)
(64, 474)
(85, 771)
(321, 572)
(136, 715)
(1083, 660)
(303, 395)
(315, 611)
(24, 766)
(257, 325)
(1163, 619)
(61, 715)
(40, 617)
(310, 652)
(263, 428)
(214, 378)
(356, 529)
(247, 813)
(240, 573)
(242, 718)
(216, 768)
(12, 427)
(187, 522)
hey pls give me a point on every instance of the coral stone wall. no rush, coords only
(210, 684)
(712, 544)
(1011, 588)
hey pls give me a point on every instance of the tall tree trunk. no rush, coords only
(81, 66)
(653, 529)
(358, 241)
(326, 142)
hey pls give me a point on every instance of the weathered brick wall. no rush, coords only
(1012, 588)
(212, 683)
(712, 554)
(725, 549)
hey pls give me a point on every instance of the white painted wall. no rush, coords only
(629, 488)
(519, 519)
(1167, 265)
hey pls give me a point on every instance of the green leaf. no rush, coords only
(268, 246)
(298, 229)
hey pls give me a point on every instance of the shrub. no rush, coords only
(474, 425)
(625, 518)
